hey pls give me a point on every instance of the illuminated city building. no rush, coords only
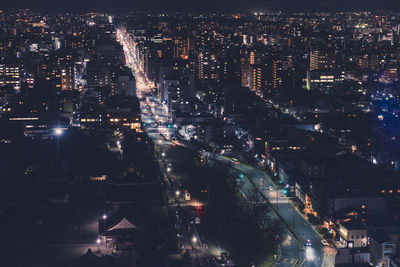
(10, 75)
(322, 60)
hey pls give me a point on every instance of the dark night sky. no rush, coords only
(251, 5)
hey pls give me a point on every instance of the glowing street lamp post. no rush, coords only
(194, 240)
(98, 241)
(57, 132)
(177, 194)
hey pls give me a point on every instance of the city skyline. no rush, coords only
(199, 138)
(207, 5)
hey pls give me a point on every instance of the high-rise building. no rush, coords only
(176, 90)
(283, 75)
(200, 66)
(10, 75)
(152, 64)
(245, 72)
(182, 46)
(324, 79)
(67, 77)
(252, 58)
(207, 66)
(57, 43)
(257, 79)
(257, 57)
(277, 71)
(124, 85)
(322, 60)
(97, 75)
(398, 55)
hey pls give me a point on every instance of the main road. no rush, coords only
(313, 255)
(298, 230)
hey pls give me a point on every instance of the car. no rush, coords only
(223, 260)
(308, 243)
(224, 255)
(235, 161)
(30, 170)
(324, 242)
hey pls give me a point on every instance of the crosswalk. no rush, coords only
(293, 262)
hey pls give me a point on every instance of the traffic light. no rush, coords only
(241, 175)
(199, 210)
(285, 192)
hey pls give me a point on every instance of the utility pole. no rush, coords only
(294, 229)
(294, 220)
(277, 197)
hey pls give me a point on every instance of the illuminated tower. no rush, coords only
(322, 60)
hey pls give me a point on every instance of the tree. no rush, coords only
(301, 207)
(258, 206)
(312, 218)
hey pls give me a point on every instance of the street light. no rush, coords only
(58, 131)
(168, 169)
(194, 240)
(163, 154)
(177, 194)
(104, 216)
(98, 241)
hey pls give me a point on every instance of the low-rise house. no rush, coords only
(353, 234)
(352, 257)
(382, 248)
